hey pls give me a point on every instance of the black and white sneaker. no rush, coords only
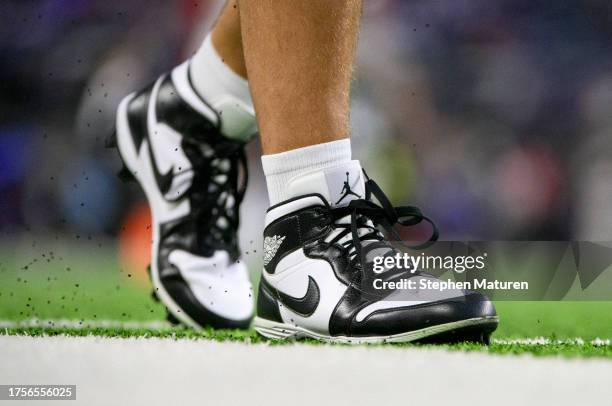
(170, 140)
(317, 280)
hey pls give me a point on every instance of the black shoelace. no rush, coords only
(217, 192)
(365, 218)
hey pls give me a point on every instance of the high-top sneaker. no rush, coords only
(318, 280)
(170, 140)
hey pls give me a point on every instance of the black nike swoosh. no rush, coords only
(163, 180)
(306, 305)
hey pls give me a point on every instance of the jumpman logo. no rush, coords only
(346, 189)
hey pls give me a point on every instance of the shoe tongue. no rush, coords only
(338, 185)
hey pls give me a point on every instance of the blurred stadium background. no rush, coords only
(493, 117)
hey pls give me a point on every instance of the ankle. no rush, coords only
(284, 168)
(224, 90)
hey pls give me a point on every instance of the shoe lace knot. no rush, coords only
(364, 223)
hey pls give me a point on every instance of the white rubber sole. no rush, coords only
(283, 331)
(129, 156)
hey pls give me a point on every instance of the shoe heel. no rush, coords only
(275, 330)
(171, 319)
(125, 175)
(111, 141)
(154, 291)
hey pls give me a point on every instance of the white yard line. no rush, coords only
(136, 371)
(162, 325)
(85, 324)
(599, 342)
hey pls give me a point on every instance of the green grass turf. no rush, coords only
(565, 349)
(88, 284)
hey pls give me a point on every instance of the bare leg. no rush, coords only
(227, 39)
(299, 56)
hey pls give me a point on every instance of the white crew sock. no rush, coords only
(281, 169)
(224, 90)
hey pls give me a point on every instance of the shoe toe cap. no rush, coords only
(230, 294)
(214, 293)
(401, 319)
